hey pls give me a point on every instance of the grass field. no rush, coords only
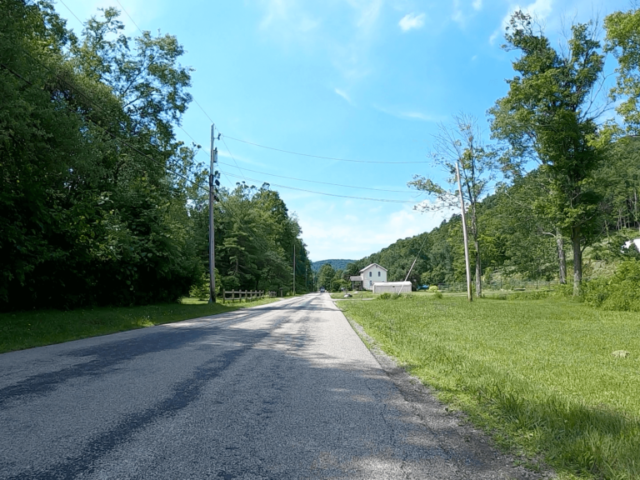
(539, 375)
(28, 329)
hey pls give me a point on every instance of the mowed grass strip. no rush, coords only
(539, 375)
(20, 330)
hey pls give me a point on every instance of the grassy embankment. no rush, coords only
(539, 375)
(19, 330)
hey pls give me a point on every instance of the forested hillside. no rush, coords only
(337, 264)
(554, 194)
(517, 240)
(100, 204)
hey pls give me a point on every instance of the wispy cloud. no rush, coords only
(287, 18)
(477, 5)
(331, 236)
(344, 95)
(412, 21)
(411, 114)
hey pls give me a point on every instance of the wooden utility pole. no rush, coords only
(212, 258)
(464, 233)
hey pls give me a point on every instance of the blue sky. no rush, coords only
(366, 80)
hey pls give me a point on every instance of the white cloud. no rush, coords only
(539, 11)
(354, 237)
(412, 21)
(367, 11)
(287, 19)
(477, 5)
(411, 114)
(344, 95)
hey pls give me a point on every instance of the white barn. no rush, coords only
(369, 275)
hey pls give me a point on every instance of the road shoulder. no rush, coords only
(471, 449)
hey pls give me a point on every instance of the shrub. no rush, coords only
(536, 295)
(389, 296)
(201, 289)
(433, 288)
(620, 292)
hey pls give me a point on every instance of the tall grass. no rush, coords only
(539, 375)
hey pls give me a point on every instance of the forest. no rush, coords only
(100, 203)
(553, 195)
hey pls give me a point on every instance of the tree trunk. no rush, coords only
(577, 260)
(478, 271)
(562, 259)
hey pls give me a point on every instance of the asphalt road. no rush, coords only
(286, 390)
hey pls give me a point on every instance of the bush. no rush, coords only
(201, 289)
(535, 295)
(433, 288)
(620, 292)
(389, 296)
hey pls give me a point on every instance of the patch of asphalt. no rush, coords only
(472, 450)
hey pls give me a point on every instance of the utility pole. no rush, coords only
(294, 268)
(212, 258)
(464, 233)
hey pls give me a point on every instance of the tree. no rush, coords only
(547, 116)
(326, 276)
(461, 147)
(623, 41)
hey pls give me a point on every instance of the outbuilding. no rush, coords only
(392, 287)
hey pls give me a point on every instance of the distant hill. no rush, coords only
(337, 264)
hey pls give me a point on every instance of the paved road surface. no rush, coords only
(281, 391)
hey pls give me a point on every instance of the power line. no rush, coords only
(318, 156)
(81, 22)
(384, 200)
(140, 30)
(227, 147)
(234, 159)
(130, 17)
(318, 182)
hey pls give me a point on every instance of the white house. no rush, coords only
(369, 275)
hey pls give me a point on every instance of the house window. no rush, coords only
(378, 273)
(370, 282)
(370, 273)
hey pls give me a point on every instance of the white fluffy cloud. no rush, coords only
(356, 230)
(412, 21)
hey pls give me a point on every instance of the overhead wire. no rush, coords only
(222, 137)
(384, 200)
(318, 182)
(317, 156)
(62, 2)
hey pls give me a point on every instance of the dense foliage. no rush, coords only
(96, 205)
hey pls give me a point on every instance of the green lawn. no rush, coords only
(28, 329)
(539, 375)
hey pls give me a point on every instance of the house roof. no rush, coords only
(372, 265)
(356, 278)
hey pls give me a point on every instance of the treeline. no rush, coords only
(555, 182)
(100, 204)
(516, 241)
